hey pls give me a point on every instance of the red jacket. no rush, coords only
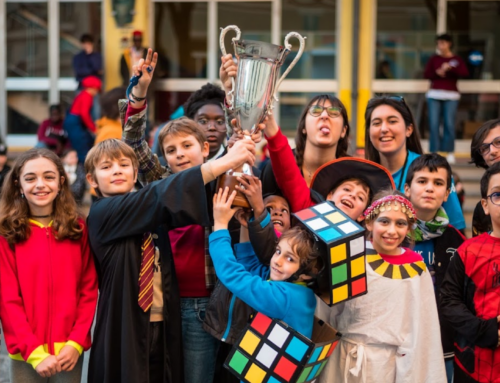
(287, 173)
(48, 294)
(82, 106)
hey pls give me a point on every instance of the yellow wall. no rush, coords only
(112, 39)
(365, 69)
(344, 72)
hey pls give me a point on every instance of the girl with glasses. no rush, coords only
(392, 140)
(484, 152)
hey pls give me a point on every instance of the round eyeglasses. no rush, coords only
(219, 124)
(317, 110)
(494, 198)
(486, 147)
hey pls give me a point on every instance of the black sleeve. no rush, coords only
(483, 333)
(263, 237)
(79, 186)
(269, 184)
(176, 201)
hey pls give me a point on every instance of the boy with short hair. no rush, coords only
(137, 334)
(277, 290)
(428, 185)
(470, 294)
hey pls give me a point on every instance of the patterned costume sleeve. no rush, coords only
(134, 131)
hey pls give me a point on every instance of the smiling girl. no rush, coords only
(390, 334)
(392, 140)
(48, 289)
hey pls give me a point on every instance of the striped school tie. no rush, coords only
(146, 275)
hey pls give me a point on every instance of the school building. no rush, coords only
(354, 48)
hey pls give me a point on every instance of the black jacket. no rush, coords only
(226, 316)
(445, 247)
(120, 352)
(481, 223)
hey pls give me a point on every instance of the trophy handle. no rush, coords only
(288, 46)
(223, 50)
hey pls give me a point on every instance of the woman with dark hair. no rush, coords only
(484, 152)
(392, 140)
(322, 135)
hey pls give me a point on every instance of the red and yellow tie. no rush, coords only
(146, 274)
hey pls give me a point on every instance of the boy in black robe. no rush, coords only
(128, 346)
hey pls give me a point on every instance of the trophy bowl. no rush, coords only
(254, 91)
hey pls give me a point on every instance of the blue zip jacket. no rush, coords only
(247, 279)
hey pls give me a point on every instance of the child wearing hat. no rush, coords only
(79, 123)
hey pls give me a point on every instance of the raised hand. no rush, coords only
(146, 67)
(227, 71)
(251, 187)
(222, 208)
(243, 151)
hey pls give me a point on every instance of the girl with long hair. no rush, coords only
(48, 283)
(391, 334)
(393, 141)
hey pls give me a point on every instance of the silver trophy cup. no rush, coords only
(255, 88)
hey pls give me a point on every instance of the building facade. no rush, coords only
(354, 49)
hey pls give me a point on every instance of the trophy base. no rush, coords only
(227, 180)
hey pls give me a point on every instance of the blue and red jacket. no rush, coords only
(48, 294)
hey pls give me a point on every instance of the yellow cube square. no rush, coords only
(255, 374)
(340, 294)
(335, 217)
(249, 342)
(357, 267)
(338, 253)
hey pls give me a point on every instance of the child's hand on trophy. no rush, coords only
(239, 134)
(269, 126)
(227, 71)
(146, 67)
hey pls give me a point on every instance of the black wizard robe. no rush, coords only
(120, 351)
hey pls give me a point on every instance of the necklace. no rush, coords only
(41, 216)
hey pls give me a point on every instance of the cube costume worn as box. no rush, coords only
(269, 351)
(342, 244)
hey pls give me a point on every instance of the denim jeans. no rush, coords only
(445, 111)
(200, 348)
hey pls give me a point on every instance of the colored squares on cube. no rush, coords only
(335, 217)
(324, 208)
(339, 274)
(329, 234)
(297, 349)
(358, 286)
(255, 374)
(266, 355)
(238, 362)
(357, 267)
(273, 380)
(314, 371)
(261, 323)
(306, 214)
(278, 335)
(324, 352)
(340, 294)
(332, 347)
(338, 253)
(249, 342)
(348, 227)
(317, 224)
(315, 355)
(285, 368)
(304, 375)
(357, 246)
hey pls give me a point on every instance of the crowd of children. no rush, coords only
(179, 270)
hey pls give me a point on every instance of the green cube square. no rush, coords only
(339, 274)
(238, 362)
(303, 376)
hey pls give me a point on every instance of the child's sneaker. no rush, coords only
(450, 157)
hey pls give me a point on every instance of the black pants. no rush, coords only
(156, 352)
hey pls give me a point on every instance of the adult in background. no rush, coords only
(87, 62)
(131, 56)
(51, 134)
(443, 69)
(109, 125)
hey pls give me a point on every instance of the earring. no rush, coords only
(22, 195)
